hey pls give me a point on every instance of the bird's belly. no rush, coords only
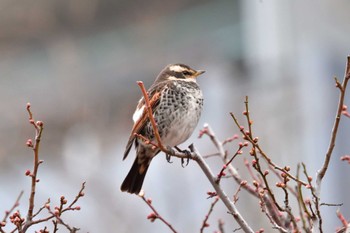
(184, 121)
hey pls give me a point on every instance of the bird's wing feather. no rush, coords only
(143, 118)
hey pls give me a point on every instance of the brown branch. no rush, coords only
(268, 160)
(270, 200)
(301, 204)
(150, 116)
(272, 219)
(289, 187)
(39, 126)
(322, 172)
(209, 132)
(251, 173)
(211, 155)
(59, 220)
(220, 192)
(41, 208)
(79, 195)
(24, 226)
(205, 221)
(238, 152)
(60, 210)
(271, 207)
(288, 209)
(221, 226)
(155, 215)
(342, 219)
(342, 89)
(316, 201)
(235, 196)
(249, 135)
(8, 212)
(146, 140)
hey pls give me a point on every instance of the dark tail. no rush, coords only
(134, 180)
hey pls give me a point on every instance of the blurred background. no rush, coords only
(77, 63)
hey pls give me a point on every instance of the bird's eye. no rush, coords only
(186, 73)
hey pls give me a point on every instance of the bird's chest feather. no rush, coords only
(178, 112)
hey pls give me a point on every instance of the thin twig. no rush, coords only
(233, 171)
(41, 208)
(7, 213)
(235, 196)
(301, 204)
(39, 126)
(58, 212)
(257, 166)
(211, 155)
(22, 224)
(150, 116)
(205, 221)
(271, 207)
(316, 201)
(221, 226)
(238, 152)
(146, 140)
(322, 172)
(268, 160)
(264, 209)
(155, 215)
(79, 195)
(342, 88)
(342, 219)
(220, 192)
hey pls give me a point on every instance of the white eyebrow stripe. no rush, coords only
(182, 79)
(176, 68)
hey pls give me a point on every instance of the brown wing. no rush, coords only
(143, 120)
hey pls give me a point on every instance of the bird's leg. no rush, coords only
(188, 154)
(171, 152)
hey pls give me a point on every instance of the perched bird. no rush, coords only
(176, 101)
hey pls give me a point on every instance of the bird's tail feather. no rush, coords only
(134, 180)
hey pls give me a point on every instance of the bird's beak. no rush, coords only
(199, 72)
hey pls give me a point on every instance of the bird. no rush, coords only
(176, 101)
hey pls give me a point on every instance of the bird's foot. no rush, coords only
(188, 156)
(168, 155)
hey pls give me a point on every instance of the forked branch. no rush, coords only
(342, 88)
(322, 172)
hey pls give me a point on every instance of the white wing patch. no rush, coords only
(138, 114)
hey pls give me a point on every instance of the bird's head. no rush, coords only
(179, 72)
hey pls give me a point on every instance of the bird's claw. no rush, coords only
(168, 155)
(188, 156)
